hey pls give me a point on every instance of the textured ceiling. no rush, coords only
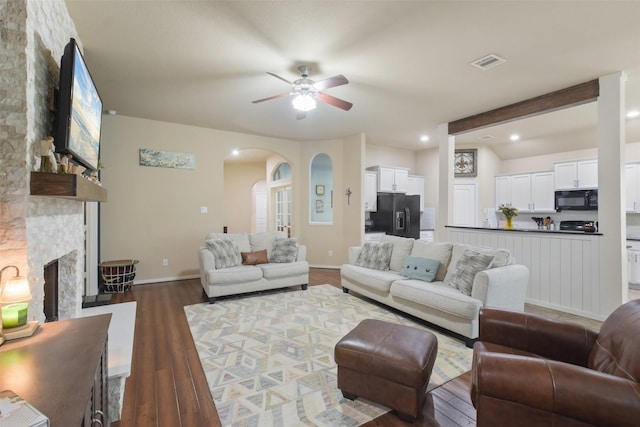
(201, 63)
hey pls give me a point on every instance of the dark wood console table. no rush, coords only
(61, 370)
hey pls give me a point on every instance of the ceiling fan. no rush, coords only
(306, 92)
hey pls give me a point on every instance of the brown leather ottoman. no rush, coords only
(388, 364)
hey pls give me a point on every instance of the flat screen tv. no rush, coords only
(79, 113)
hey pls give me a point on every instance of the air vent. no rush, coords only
(488, 61)
(486, 137)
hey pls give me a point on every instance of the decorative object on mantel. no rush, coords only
(509, 212)
(63, 167)
(167, 159)
(465, 163)
(48, 161)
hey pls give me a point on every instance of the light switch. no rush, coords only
(203, 209)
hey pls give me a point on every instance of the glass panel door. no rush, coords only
(283, 210)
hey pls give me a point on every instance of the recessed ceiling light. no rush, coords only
(514, 137)
(112, 112)
(424, 138)
(235, 152)
(632, 114)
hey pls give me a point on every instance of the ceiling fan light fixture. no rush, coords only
(304, 102)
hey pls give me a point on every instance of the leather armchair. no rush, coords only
(532, 371)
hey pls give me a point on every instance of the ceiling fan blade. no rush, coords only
(282, 95)
(278, 77)
(301, 115)
(334, 81)
(336, 102)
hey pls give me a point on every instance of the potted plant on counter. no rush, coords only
(509, 212)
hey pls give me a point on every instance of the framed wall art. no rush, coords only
(465, 163)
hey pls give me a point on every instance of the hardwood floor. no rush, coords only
(167, 386)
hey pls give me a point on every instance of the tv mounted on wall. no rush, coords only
(79, 113)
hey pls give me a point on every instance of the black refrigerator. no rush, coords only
(397, 214)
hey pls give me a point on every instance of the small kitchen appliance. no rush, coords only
(581, 225)
(576, 200)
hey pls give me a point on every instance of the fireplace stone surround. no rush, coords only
(35, 230)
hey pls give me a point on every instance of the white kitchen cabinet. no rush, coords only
(370, 191)
(416, 187)
(521, 191)
(542, 191)
(529, 192)
(392, 180)
(577, 174)
(503, 190)
(631, 174)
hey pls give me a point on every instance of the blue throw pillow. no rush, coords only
(419, 268)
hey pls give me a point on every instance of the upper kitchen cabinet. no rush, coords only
(503, 190)
(529, 192)
(370, 191)
(416, 186)
(542, 191)
(577, 174)
(391, 179)
(632, 175)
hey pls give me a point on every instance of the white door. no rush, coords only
(465, 205)
(283, 210)
(261, 211)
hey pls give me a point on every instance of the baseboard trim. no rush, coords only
(331, 267)
(564, 309)
(165, 279)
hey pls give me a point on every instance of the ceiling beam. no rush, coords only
(563, 98)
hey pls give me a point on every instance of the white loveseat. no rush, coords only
(222, 271)
(500, 283)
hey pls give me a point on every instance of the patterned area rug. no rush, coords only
(269, 358)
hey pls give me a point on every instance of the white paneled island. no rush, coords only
(564, 265)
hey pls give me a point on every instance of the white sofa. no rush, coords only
(240, 278)
(500, 284)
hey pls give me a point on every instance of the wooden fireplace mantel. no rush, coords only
(66, 186)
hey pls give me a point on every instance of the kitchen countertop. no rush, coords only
(524, 230)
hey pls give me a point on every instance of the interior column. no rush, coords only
(444, 211)
(611, 184)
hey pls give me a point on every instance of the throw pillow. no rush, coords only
(225, 253)
(253, 258)
(434, 250)
(469, 263)
(284, 250)
(419, 268)
(375, 255)
(401, 248)
(501, 257)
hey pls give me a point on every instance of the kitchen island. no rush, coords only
(564, 266)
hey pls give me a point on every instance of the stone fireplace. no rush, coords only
(35, 230)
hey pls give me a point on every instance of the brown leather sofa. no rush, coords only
(531, 371)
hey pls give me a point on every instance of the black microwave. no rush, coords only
(577, 200)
